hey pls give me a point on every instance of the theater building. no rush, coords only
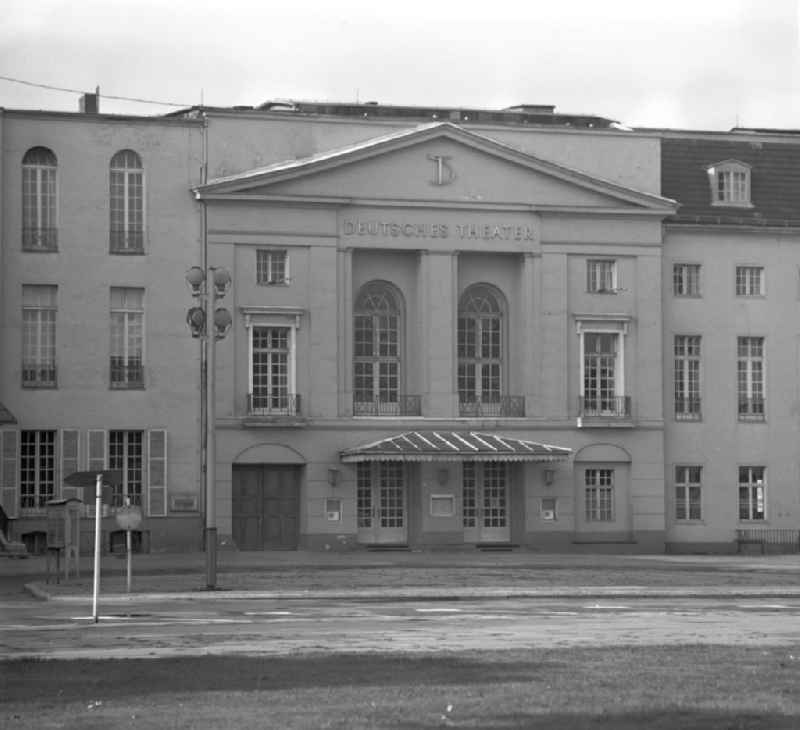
(450, 328)
(443, 336)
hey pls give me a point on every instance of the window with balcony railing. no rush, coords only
(39, 336)
(127, 338)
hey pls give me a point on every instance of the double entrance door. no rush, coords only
(381, 502)
(266, 507)
(485, 502)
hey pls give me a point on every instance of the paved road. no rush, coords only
(259, 626)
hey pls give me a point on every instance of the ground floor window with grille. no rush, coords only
(599, 495)
(37, 476)
(752, 493)
(687, 492)
(125, 454)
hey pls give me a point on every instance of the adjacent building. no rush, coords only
(451, 327)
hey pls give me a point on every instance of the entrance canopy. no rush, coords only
(453, 446)
(6, 416)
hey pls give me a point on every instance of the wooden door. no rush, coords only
(266, 507)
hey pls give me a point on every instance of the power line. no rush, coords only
(80, 91)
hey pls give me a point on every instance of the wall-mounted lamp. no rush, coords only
(549, 475)
(333, 477)
(442, 476)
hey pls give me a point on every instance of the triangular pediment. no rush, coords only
(434, 163)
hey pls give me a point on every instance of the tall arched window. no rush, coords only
(39, 232)
(480, 351)
(377, 328)
(127, 203)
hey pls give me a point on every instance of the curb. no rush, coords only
(436, 594)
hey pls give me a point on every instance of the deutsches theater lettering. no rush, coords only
(464, 231)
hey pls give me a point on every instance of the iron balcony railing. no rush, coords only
(501, 406)
(126, 241)
(273, 404)
(688, 409)
(39, 239)
(39, 375)
(401, 405)
(127, 373)
(615, 406)
(751, 409)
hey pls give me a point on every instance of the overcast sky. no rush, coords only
(698, 64)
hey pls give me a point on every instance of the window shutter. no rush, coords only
(97, 451)
(9, 472)
(157, 472)
(70, 438)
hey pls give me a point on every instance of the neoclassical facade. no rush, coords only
(450, 328)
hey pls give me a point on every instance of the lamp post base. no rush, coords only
(211, 557)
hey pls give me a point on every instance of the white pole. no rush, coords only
(128, 546)
(97, 499)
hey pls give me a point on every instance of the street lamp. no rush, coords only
(207, 287)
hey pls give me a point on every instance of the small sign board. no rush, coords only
(129, 517)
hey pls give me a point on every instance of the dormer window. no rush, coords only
(730, 184)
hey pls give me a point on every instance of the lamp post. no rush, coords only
(210, 323)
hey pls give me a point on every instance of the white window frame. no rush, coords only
(593, 509)
(746, 274)
(127, 196)
(682, 372)
(119, 498)
(685, 277)
(266, 259)
(682, 474)
(44, 206)
(601, 276)
(752, 383)
(735, 192)
(129, 314)
(599, 324)
(756, 492)
(288, 317)
(40, 500)
(41, 334)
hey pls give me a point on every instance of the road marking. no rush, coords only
(438, 610)
(267, 613)
(608, 606)
(761, 605)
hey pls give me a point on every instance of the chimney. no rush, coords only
(90, 103)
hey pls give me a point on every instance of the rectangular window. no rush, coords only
(750, 378)
(749, 281)
(127, 337)
(600, 351)
(601, 276)
(687, 492)
(686, 280)
(37, 468)
(271, 354)
(125, 454)
(732, 186)
(752, 493)
(272, 266)
(687, 377)
(39, 336)
(599, 495)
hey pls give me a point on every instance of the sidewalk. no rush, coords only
(428, 575)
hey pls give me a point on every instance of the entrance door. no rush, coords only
(381, 503)
(266, 507)
(485, 502)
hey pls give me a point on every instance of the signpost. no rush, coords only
(129, 518)
(86, 479)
